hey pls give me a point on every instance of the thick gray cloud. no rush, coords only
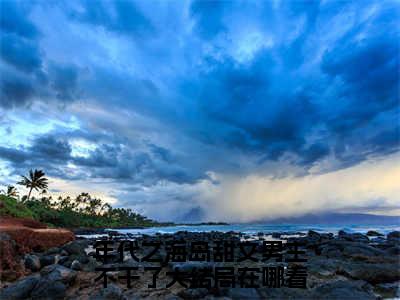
(177, 93)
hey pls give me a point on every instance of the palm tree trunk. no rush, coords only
(29, 194)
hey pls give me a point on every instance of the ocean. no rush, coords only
(252, 229)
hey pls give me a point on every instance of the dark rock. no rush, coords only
(331, 252)
(373, 273)
(393, 250)
(362, 250)
(343, 289)
(284, 293)
(91, 265)
(314, 235)
(47, 289)
(243, 293)
(353, 237)
(62, 260)
(58, 273)
(83, 259)
(193, 293)
(190, 266)
(374, 233)
(111, 292)
(47, 260)
(20, 289)
(64, 253)
(76, 265)
(53, 282)
(32, 262)
(76, 247)
(394, 235)
(276, 235)
(388, 290)
(54, 250)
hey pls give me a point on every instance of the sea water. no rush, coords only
(252, 229)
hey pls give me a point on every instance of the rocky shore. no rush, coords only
(342, 266)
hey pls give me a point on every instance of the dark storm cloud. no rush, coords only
(53, 152)
(208, 16)
(22, 53)
(319, 79)
(64, 81)
(15, 91)
(119, 16)
(13, 19)
(25, 75)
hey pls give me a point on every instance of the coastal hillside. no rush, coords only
(72, 213)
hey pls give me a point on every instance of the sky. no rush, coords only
(232, 111)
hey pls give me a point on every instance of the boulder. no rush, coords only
(20, 289)
(373, 273)
(111, 292)
(395, 250)
(190, 266)
(374, 233)
(58, 273)
(47, 289)
(32, 262)
(360, 249)
(242, 293)
(353, 237)
(76, 247)
(46, 260)
(76, 265)
(53, 282)
(394, 235)
(193, 293)
(342, 289)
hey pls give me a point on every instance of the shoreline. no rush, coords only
(339, 265)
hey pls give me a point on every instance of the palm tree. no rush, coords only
(36, 181)
(11, 191)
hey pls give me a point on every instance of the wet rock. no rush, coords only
(331, 252)
(193, 293)
(32, 262)
(20, 289)
(388, 290)
(276, 235)
(373, 273)
(353, 237)
(47, 260)
(243, 293)
(62, 260)
(374, 233)
(394, 235)
(47, 289)
(393, 250)
(58, 273)
(91, 265)
(190, 266)
(362, 250)
(53, 251)
(53, 282)
(76, 247)
(283, 293)
(111, 292)
(343, 289)
(76, 265)
(313, 235)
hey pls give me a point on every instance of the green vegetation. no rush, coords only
(11, 207)
(81, 211)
